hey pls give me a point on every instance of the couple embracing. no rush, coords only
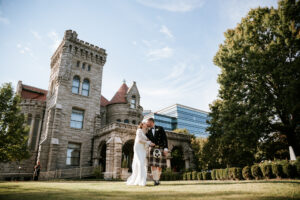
(148, 135)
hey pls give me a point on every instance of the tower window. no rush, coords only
(133, 102)
(77, 118)
(126, 121)
(133, 122)
(85, 87)
(118, 120)
(73, 154)
(83, 65)
(75, 85)
(78, 64)
(89, 68)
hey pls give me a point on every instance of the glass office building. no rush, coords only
(180, 116)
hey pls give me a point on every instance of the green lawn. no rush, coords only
(87, 190)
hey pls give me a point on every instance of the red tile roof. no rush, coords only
(29, 92)
(120, 96)
(103, 101)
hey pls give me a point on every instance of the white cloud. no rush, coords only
(173, 5)
(3, 19)
(55, 40)
(36, 35)
(156, 54)
(24, 49)
(166, 31)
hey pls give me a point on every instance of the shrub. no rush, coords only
(184, 176)
(289, 170)
(277, 170)
(256, 172)
(219, 174)
(98, 172)
(225, 174)
(237, 173)
(188, 176)
(297, 166)
(206, 175)
(199, 176)
(194, 175)
(213, 174)
(231, 173)
(266, 170)
(246, 172)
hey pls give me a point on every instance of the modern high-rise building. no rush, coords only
(179, 116)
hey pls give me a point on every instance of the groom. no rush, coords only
(157, 158)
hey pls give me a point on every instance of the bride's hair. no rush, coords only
(140, 125)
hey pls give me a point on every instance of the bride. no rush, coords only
(139, 165)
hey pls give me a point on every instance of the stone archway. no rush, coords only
(102, 156)
(177, 159)
(127, 154)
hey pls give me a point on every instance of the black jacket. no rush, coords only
(159, 138)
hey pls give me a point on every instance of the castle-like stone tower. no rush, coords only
(73, 104)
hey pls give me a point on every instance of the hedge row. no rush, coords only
(276, 169)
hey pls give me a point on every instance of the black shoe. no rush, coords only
(156, 183)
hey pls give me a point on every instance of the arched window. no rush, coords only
(85, 87)
(70, 48)
(78, 64)
(83, 65)
(133, 122)
(118, 120)
(133, 102)
(126, 121)
(75, 85)
(89, 68)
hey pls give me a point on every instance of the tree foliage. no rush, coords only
(259, 85)
(13, 131)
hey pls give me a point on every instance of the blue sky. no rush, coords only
(166, 46)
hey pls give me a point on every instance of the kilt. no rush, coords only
(157, 162)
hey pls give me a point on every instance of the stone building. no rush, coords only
(73, 127)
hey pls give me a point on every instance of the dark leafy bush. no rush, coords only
(289, 170)
(246, 172)
(277, 170)
(184, 176)
(199, 176)
(194, 175)
(256, 172)
(266, 170)
(98, 172)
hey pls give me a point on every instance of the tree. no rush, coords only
(13, 131)
(259, 84)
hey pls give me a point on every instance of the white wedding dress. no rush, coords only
(139, 163)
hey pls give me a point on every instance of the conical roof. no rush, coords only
(103, 101)
(120, 96)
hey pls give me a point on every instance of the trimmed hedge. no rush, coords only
(206, 175)
(277, 170)
(170, 176)
(213, 174)
(189, 176)
(266, 170)
(289, 170)
(194, 175)
(246, 172)
(256, 172)
(199, 176)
